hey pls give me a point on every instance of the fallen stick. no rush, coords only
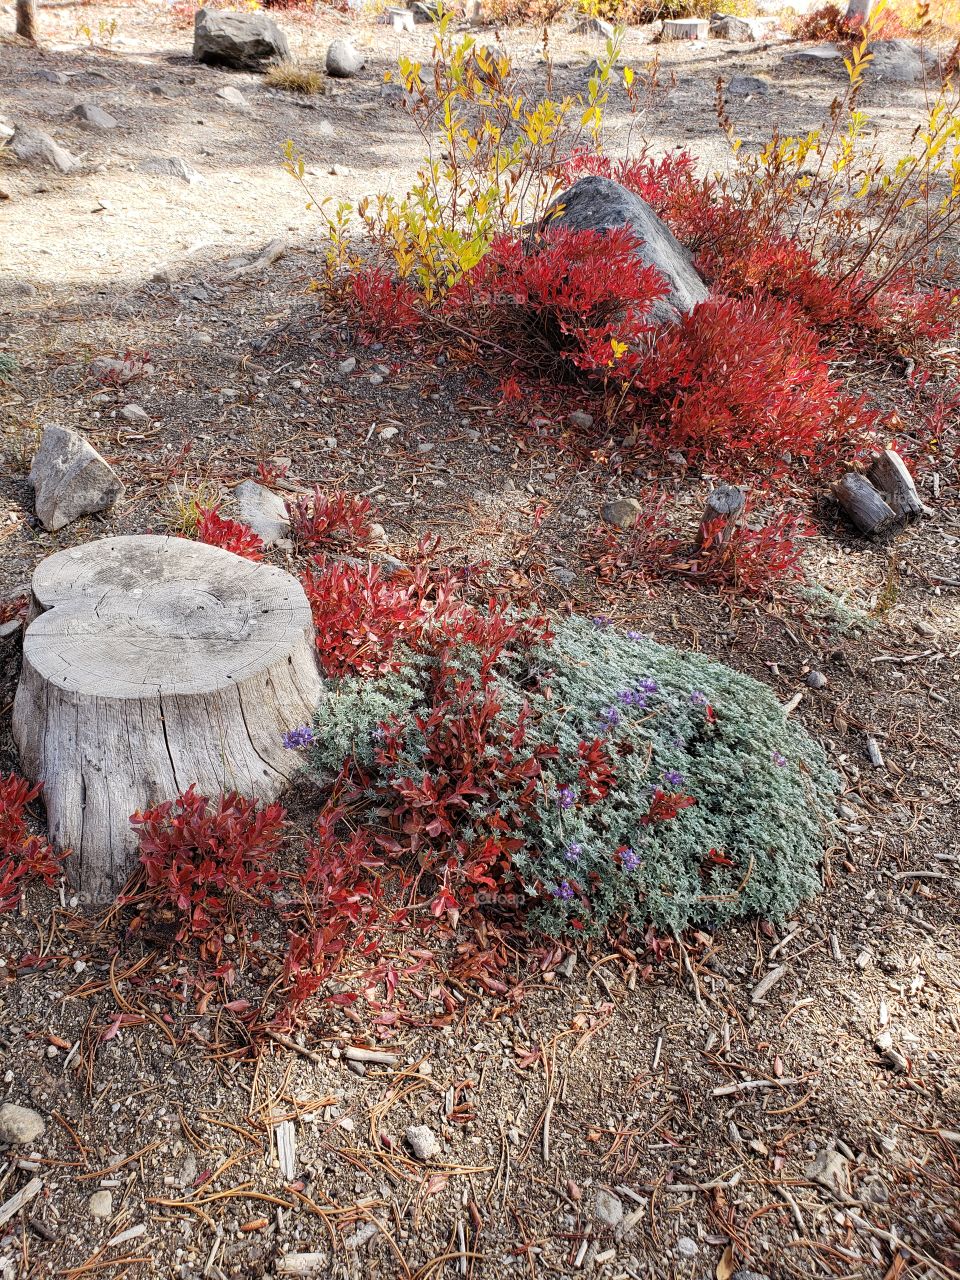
(377, 1056)
(742, 1086)
(16, 1203)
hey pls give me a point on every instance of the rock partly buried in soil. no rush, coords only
(20, 1126)
(263, 511)
(422, 1141)
(343, 60)
(71, 479)
(38, 150)
(896, 60)
(622, 513)
(93, 117)
(608, 1208)
(229, 93)
(598, 204)
(244, 41)
(748, 86)
(169, 167)
(100, 1205)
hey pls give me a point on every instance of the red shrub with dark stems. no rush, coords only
(774, 266)
(664, 806)
(471, 757)
(23, 857)
(359, 616)
(220, 531)
(324, 519)
(573, 303)
(754, 562)
(380, 306)
(743, 386)
(209, 860)
(342, 903)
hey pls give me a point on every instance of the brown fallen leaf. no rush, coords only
(726, 1266)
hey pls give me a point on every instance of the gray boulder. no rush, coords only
(597, 204)
(748, 86)
(343, 60)
(263, 511)
(169, 167)
(38, 150)
(896, 60)
(71, 479)
(93, 117)
(244, 41)
(19, 1125)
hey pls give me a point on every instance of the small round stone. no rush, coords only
(100, 1205)
(816, 680)
(687, 1247)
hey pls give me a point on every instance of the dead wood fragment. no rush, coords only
(725, 503)
(865, 507)
(888, 472)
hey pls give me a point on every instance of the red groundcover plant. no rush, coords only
(209, 861)
(23, 857)
(231, 535)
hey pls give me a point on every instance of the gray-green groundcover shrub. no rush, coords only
(751, 791)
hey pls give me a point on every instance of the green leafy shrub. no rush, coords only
(591, 777)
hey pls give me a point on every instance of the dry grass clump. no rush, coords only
(295, 78)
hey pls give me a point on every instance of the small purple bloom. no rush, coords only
(629, 859)
(566, 797)
(302, 737)
(573, 851)
(610, 717)
(635, 635)
(673, 778)
(564, 891)
(602, 622)
(649, 685)
(698, 699)
(779, 760)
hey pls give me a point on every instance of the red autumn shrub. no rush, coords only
(231, 535)
(742, 385)
(208, 861)
(359, 616)
(380, 306)
(572, 303)
(23, 857)
(321, 519)
(753, 562)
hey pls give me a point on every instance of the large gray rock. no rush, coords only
(263, 511)
(244, 41)
(343, 60)
(19, 1125)
(93, 117)
(38, 150)
(71, 479)
(896, 60)
(598, 204)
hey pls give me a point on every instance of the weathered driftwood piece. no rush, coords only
(888, 472)
(726, 502)
(151, 663)
(860, 500)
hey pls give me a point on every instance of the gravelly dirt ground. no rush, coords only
(646, 1084)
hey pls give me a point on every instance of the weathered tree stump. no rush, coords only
(726, 503)
(151, 663)
(888, 472)
(860, 500)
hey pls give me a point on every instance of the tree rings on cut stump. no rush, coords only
(151, 663)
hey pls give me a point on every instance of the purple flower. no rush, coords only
(632, 698)
(302, 737)
(698, 699)
(602, 622)
(564, 891)
(573, 851)
(673, 778)
(566, 797)
(629, 859)
(779, 760)
(649, 685)
(635, 635)
(610, 717)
